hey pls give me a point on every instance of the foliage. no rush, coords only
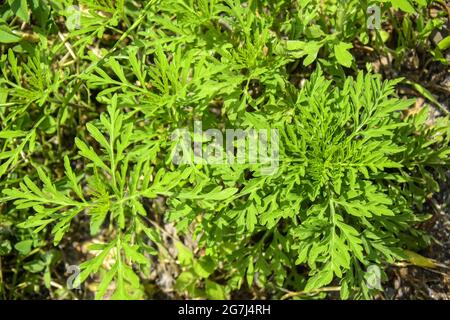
(91, 91)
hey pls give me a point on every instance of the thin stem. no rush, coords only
(308, 293)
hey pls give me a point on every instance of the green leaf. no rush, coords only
(34, 266)
(444, 44)
(89, 153)
(7, 36)
(184, 280)
(185, 256)
(311, 51)
(343, 56)
(97, 135)
(106, 281)
(320, 279)
(419, 260)
(204, 267)
(345, 291)
(9, 134)
(132, 253)
(24, 247)
(404, 5)
(214, 195)
(98, 215)
(20, 9)
(215, 291)
(251, 219)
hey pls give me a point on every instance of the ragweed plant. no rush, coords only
(91, 92)
(343, 197)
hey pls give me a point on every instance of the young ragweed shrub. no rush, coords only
(352, 168)
(118, 182)
(342, 201)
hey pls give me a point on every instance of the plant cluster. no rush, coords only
(91, 91)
